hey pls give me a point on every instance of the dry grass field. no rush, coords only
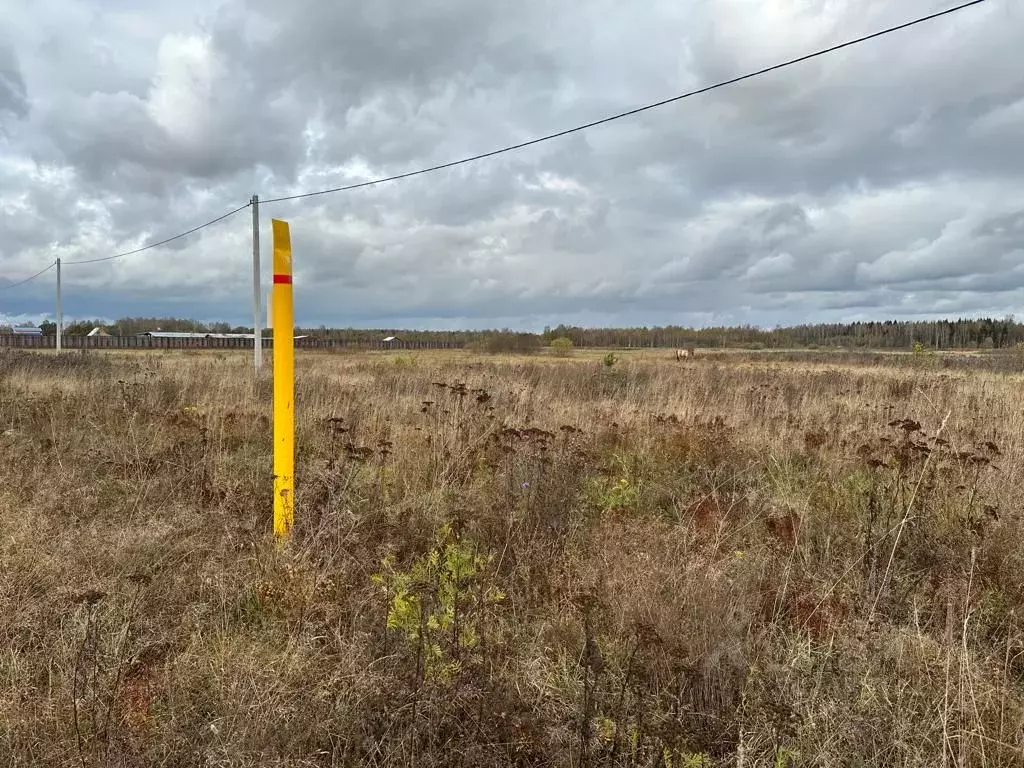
(502, 561)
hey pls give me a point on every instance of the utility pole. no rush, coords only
(257, 315)
(60, 311)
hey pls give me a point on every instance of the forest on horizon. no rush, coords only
(962, 333)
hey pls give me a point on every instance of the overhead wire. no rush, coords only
(40, 273)
(165, 241)
(631, 112)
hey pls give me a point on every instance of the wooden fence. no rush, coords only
(158, 342)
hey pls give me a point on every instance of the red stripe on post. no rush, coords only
(282, 279)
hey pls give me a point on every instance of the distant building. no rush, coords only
(390, 339)
(190, 335)
(97, 331)
(28, 330)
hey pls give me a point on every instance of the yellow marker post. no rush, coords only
(284, 382)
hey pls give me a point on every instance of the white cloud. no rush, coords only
(181, 97)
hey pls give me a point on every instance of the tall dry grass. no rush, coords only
(511, 562)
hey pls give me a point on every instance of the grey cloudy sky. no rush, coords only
(881, 181)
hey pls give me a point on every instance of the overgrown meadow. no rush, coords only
(505, 561)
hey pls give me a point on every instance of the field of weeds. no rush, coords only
(497, 562)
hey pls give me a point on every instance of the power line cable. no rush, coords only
(40, 273)
(211, 222)
(630, 113)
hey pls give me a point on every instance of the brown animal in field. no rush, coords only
(685, 354)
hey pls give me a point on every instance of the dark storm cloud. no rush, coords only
(882, 180)
(12, 85)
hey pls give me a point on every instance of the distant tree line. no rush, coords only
(980, 333)
(131, 326)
